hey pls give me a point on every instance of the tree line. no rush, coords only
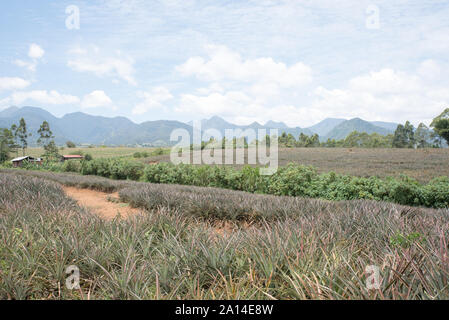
(15, 139)
(405, 136)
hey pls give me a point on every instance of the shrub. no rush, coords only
(6, 164)
(120, 169)
(297, 180)
(70, 144)
(158, 152)
(291, 180)
(405, 191)
(436, 193)
(72, 166)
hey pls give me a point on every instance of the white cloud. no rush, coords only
(386, 81)
(152, 100)
(35, 51)
(223, 64)
(231, 103)
(43, 96)
(241, 108)
(242, 90)
(31, 66)
(96, 99)
(387, 95)
(102, 66)
(15, 83)
(429, 69)
(213, 87)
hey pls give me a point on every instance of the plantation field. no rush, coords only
(421, 164)
(189, 242)
(96, 152)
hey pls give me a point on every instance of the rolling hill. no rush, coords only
(322, 128)
(84, 128)
(343, 129)
(220, 124)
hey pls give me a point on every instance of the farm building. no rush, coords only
(17, 162)
(71, 157)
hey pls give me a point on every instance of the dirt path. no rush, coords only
(98, 202)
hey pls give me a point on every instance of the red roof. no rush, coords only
(73, 156)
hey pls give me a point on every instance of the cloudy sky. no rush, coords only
(292, 61)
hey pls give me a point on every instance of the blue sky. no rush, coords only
(292, 61)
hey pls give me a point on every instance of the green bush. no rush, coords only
(405, 191)
(436, 193)
(119, 169)
(6, 164)
(158, 152)
(291, 180)
(303, 181)
(72, 166)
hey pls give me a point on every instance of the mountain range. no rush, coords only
(83, 128)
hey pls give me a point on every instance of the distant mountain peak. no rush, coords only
(8, 111)
(84, 128)
(215, 118)
(323, 127)
(275, 125)
(343, 129)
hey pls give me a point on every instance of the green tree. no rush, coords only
(22, 135)
(436, 140)
(70, 144)
(441, 125)
(314, 141)
(404, 136)
(302, 140)
(422, 136)
(16, 145)
(399, 139)
(410, 134)
(356, 139)
(267, 140)
(282, 140)
(330, 143)
(291, 141)
(7, 144)
(46, 141)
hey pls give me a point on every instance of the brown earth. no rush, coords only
(106, 205)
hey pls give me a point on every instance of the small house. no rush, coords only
(18, 162)
(71, 157)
